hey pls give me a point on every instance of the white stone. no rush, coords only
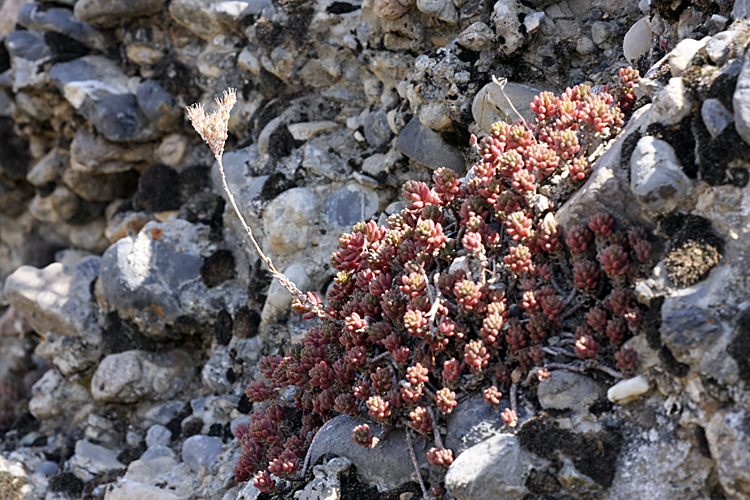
(628, 390)
(287, 220)
(637, 41)
(656, 177)
(681, 56)
(126, 489)
(741, 100)
(671, 104)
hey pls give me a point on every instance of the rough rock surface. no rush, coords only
(135, 310)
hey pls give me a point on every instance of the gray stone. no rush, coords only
(57, 298)
(565, 390)
(279, 300)
(506, 15)
(715, 116)
(156, 452)
(741, 9)
(130, 376)
(656, 176)
(100, 91)
(380, 163)
(427, 147)
(101, 430)
(110, 13)
(304, 131)
(288, 220)
(585, 46)
(28, 45)
(444, 10)
(494, 103)
(728, 439)
(741, 100)
(533, 21)
(601, 32)
(107, 187)
(213, 410)
(207, 18)
(324, 163)
(152, 470)
(351, 204)
(90, 460)
(387, 466)
(494, 469)
(716, 47)
(477, 37)
(434, 115)
(47, 468)
(58, 398)
(37, 18)
(214, 372)
(695, 337)
(158, 413)
(92, 154)
(470, 423)
(154, 278)
(48, 169)
(248, 492)
(326, 484)
(60, 205)
(69, 354)
(158, 435)
(377, 131)
(157, 104)
(200, 451)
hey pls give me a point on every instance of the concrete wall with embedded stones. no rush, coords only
(136, 308)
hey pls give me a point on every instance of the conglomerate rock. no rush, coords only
(155, 315)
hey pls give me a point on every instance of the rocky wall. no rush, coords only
(135, 310)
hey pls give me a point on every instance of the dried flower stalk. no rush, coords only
(213, 129)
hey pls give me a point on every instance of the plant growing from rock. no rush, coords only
(473, 289)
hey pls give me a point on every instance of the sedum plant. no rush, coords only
(473, 289)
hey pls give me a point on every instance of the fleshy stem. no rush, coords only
(213, 129)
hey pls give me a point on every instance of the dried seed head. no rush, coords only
(213, 127)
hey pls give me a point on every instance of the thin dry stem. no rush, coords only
(213, 129)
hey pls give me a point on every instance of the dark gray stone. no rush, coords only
(377, 130)
(387, 466)
(130, 284)
(688, 330)
(427, 147)
(157, 104)
(99, 90)
(351, 204)
(28, 45)
(472, 422)
(34, 16)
